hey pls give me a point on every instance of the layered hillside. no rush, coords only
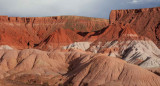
(21, 32)
(67, 22)
(124, 43)
(31, 67)
(145, 22)
(60, 37)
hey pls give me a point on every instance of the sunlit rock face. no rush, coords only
(78, 45)
(145, 22)
(29, 32)
(130, 47)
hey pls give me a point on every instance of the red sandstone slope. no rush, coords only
(123, 42)
(21, 32)
(58, 38)
(111, 33)
(145, 22)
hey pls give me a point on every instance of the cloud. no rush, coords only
(143, 1)
(90, 8)
(135, 1)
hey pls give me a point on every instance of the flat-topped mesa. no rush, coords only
(27, 19)
(70, 22)
(117, 15)
(145, 22)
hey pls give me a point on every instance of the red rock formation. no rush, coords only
(58, 38)
(66, 22)
(111, 33)
(145, 22)
(28, 32)
(123, 42)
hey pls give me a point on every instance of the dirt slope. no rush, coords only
(74, 67)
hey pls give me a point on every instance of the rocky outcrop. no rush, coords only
(78, 45)
(145, 22)
(67, 22)
(59, 38)
(29, 32)
(124, 43)
(74, 67)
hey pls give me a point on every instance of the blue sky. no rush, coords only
(89, 8)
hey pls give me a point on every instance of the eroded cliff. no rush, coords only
(29, 32)
(145, 22)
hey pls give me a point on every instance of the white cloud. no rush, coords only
(135, 1)
(143, 1)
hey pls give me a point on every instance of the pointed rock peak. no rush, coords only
(127, 32)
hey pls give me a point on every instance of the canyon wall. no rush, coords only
(145, 22)
(67, 22)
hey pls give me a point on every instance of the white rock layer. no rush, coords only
(78, 45)
(6, 47)
(141, 52)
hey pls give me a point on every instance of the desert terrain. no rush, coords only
(123, 50)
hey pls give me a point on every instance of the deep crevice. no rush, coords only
(157, 27)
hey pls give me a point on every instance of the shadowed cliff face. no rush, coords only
(145, 22)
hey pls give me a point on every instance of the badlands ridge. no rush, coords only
(81, 51)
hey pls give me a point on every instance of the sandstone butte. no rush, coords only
(145, 22)
(81, 51)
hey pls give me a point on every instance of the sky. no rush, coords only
(89, 8)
